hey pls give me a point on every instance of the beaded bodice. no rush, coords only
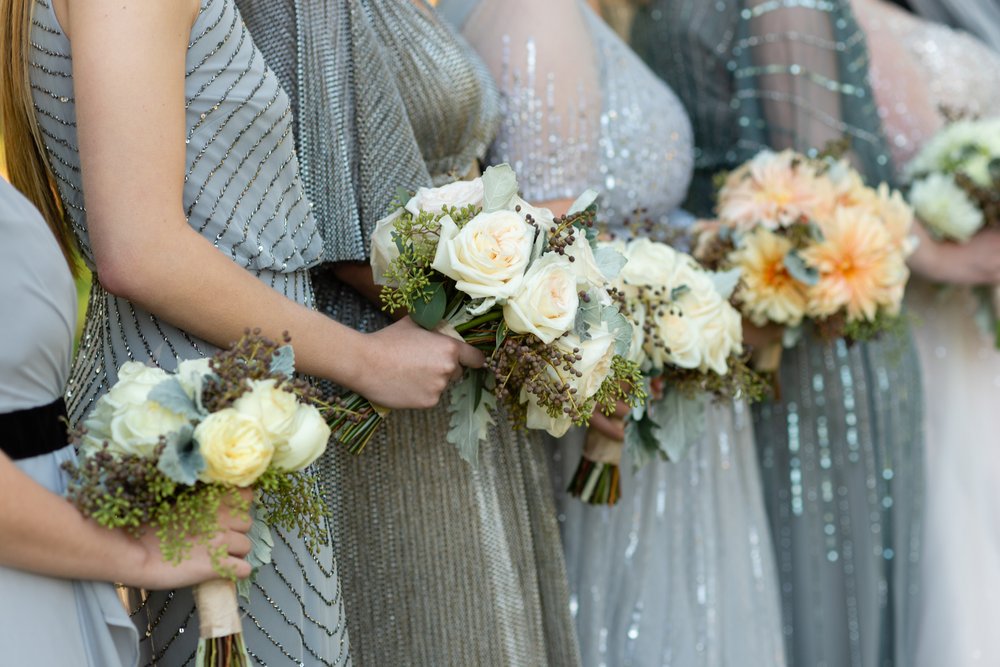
(920, 69)
(764, 73)
(579, 109)
(241, 185)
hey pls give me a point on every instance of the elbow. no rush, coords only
(121, 275)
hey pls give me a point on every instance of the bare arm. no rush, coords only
(128, 68)
(42, 533)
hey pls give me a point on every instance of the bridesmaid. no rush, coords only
(55, 565)
(680, 572)
(164, 118)
(442, 564)
(919, 67)
(842, 450)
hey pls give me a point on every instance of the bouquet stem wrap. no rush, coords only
(598, 477)
(221, 632)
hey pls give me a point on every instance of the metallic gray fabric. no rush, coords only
(243, 193)
(842, 450)
(979, 17)
(442, 565)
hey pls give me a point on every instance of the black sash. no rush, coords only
(35, 431)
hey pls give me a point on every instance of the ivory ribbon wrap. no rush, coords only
(767, 359)
(599, 448)
(218, 609)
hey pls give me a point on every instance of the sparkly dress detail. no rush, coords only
(918, 67)
(242, 192)
(841, 452)
(441, 564)
(680, 572)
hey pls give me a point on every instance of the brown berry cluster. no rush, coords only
(525, 362)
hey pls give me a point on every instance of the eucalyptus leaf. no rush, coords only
(171, 396)
(499, 188)
(583, 202)
(680, 423)
(283, 361)
(798, 269)
(725, 282)
(471, 415)
(609, 262)
(181, 459)
(428, 313)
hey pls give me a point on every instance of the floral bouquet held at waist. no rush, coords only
(955, 191)
(689, 344)
(813, 244)
(162, 451)
(473, 260)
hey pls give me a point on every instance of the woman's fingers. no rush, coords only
(608, 426)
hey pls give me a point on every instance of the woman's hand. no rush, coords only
(762, 337)
(976, 262)
(409, 367)
(152, 572)
(612, 426)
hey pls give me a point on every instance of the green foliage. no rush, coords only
(742, 381)
(625, 384)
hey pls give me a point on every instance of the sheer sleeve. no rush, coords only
(544, 59)
(801, 80)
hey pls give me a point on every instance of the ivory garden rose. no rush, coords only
(547, 303)
(235, 448)
(487, 257)
(298, 432)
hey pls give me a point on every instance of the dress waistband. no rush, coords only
(34, 431)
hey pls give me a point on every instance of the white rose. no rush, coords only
(584, 264)
(486, 258)
(538, 419)
(637, 317)
(541, 216)
(135, 380)
(310, 433)
(547, 303)
(273, 407)
(649, 263)
(458, 194)
(721, 336)
(945, 207)
(191, 373)
(680, 337)
(136, 429)
(597, 353)
(384, 250)
(235, 448)
(130, 392)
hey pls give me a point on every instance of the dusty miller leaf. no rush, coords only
(283, 361)
(725, 282)
(470, 419)
(171, 396)
(583, 202)
(261, 545)
(499, 188)
(181, 460)
(799, 270)
(609, 262)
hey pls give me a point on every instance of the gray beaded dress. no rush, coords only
(242, 191)
(841, 452)
(680, 572)
(441, 564)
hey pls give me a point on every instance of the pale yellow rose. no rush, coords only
(273, 407)
(310, 434)
(487, 258)
(547, 303)
(235, 448)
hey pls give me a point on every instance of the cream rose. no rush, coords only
(136, 429)
(308, 439)
(487, 258)
(384, 249)
(235, 448)
(542, 217)
(540, 420)
(129, 393)
(649, 263)
(272, 407)
(597, 353)
(680, 336)
(547, 302)
(458, 194)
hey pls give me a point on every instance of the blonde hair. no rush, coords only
(24, 151)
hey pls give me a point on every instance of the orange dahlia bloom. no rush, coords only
(860, 267)
(769, 293)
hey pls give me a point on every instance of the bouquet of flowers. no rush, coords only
(955, 190)
(473, 260)
(812, 242)
(688, 342)
(162, 451)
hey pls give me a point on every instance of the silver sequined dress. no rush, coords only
(242, 192)
(680, 572)
(442, 564)
(918, 68)
(842, 451)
